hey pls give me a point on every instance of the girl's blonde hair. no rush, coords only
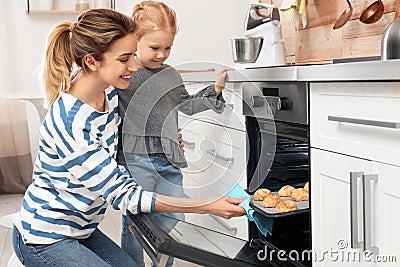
(69, 43)
(151, 16)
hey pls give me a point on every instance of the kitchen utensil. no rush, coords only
(373, 12)
(344, 17)
(291, 9)
(246, 50)
(390, 45)
(302, 12)
(263, 42)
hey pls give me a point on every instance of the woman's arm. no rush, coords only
(225, 206)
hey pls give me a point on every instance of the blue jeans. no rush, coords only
(96, 251)
(156, 174)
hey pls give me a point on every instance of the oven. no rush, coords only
(277, 154)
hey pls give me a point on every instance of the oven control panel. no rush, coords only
(281, 101)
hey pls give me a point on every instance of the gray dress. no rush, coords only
(149, 112)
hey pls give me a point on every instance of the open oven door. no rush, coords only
(199, 245)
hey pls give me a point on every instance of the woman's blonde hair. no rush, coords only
(151, 16)
(69, 43)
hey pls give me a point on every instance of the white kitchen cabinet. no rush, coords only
(331, 206)
(355, 190)
(385, 198)
(360, 119)
(215, 151)
(350, 233)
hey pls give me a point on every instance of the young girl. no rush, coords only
(148, 145)
(75, 175)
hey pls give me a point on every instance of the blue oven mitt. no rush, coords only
(263, 223)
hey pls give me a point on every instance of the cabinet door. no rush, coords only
(331, 209)
(359, 119)
(384, 228)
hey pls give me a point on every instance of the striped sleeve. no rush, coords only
(93, 167)
(81, 143)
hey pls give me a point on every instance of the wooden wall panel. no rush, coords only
(362, 47)
(355, 28)
(318, 42)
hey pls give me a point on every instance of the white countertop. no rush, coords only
(358, 71)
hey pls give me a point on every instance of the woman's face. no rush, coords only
(154, 48)
(118, 62)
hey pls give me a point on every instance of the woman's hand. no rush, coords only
(220, 80)
(224, 206)
(227, 207)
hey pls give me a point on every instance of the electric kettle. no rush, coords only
(390, 45)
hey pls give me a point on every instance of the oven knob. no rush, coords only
(257, 101)
(285, 104)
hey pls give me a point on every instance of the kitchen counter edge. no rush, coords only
(356, 71)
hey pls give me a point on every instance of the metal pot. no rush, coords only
(246, 50)
(390, 45)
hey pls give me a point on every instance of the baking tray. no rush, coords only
(302, 206)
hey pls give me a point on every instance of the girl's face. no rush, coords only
(119, 62)
(154, 48)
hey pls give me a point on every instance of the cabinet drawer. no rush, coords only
(358, 119)
(207, 144)
(232, 115)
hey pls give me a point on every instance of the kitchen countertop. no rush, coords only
(355, 71)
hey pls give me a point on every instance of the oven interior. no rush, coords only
(289, 166)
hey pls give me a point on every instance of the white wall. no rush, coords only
(205, 27)
(22, 39)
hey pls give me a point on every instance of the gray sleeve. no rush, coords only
(203, 100)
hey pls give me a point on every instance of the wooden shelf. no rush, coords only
(56, 12)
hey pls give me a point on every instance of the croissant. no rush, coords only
(261, 193)
(286, 191)
(307, 186)
(286, 206)
(271, 201)
(299, 194)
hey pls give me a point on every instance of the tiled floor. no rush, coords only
(111, 225)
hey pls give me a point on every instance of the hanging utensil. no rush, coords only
(373, 13)
(344, 17)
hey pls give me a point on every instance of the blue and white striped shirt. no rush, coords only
(76, 175)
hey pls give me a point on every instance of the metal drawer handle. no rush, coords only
(188, 143)
(219, 156)
(229, 105)
(231, 229)
(368, 179)
(385, 124)
(354, 176)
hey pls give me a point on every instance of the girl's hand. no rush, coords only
(220, 80)
(180, 140)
